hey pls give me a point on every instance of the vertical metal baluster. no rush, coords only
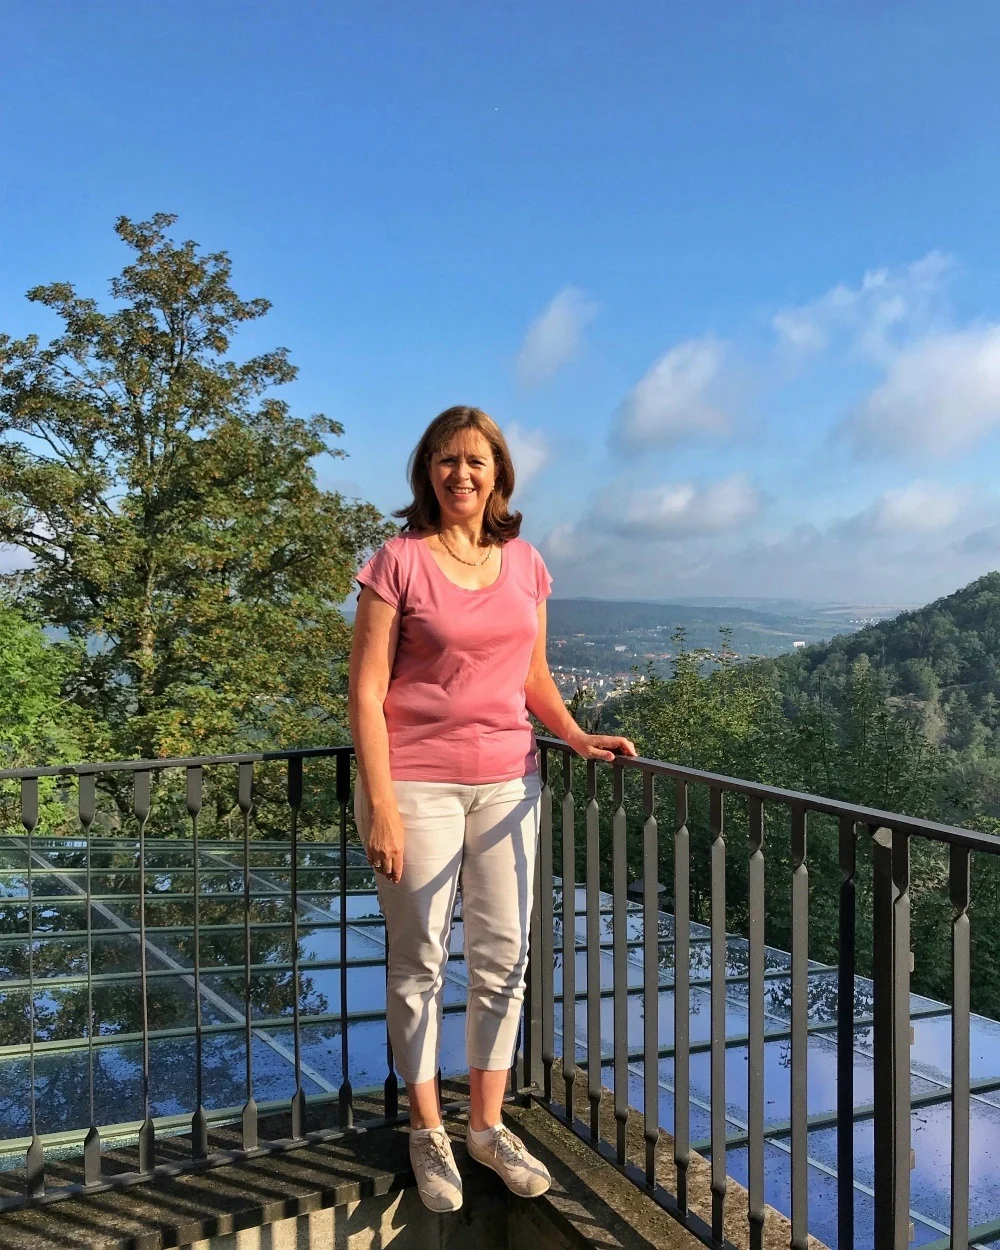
(147, 1133)
(901, 1074)
(87, 807)
(800, 1032)
(882, 1021)
(515, 1075)
(245, 801)
(526, 1069)
(845, 1034)
(651, 977)
(533, 989)
(345, 1098)
(619, 940)
(569, 934)
(35, 1157)
(593, 952)
(961, 1005)
(548, 925)
(719, 953)
(390, 1086)
(682, 995)
(298, 1106)
(755, 1106)
(199, 1121)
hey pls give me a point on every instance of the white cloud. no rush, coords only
(911, 544)
(889, 368)
(806, 562)
(675, 509)
(530, 451)
(564, 542)
(940, 396)
(668, 526)
(800, 331)
(554, 338)
(985, 542)
(887, 304)
(920, 508)
(676, 398)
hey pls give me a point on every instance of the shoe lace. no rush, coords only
(508, 1146)
(435, 1153)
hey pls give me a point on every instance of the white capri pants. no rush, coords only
(487, 835)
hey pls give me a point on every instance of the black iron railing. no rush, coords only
(228, 966)
(888, 837)
(116, 804)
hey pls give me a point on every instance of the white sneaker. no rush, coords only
(438, 1182)
(520, 1171)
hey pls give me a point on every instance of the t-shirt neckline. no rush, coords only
(465, 590)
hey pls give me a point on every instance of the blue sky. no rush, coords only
(726, 273)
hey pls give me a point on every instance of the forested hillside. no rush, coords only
(901, 716)
(941, 664)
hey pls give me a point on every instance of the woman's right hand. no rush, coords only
(385, 843)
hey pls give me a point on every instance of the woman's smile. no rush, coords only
(463, 474)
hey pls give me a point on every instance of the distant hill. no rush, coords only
(946, 655)
(640, 627)
(592, 616)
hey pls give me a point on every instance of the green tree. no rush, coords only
(37, 723)
(711, 713)
(170, 504)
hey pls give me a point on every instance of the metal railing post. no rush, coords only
(845, 1032)
(568, 814)
(593, 953)
(619, 938)
(755, 1029)
(546, 912)
(682, 995)
(800, 1032)
(891, 1013)
(961, 1005)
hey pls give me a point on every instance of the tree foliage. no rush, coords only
(170, 504)
(940, 665)
(850, 739)
(36, 723)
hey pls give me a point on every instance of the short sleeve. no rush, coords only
(543, 582)
(383, 574)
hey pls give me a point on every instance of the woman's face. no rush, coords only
(463, 474)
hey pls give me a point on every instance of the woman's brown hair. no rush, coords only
(424, 513)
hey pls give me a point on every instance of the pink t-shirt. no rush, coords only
(455, 707)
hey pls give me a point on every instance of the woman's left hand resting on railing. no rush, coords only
(601, 746)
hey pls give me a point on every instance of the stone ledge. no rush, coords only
(197, 1206)
(777, 1227)
(356, 1192)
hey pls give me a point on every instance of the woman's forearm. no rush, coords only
(371, 746)
(545, 703)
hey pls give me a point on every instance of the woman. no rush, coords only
(448, 660)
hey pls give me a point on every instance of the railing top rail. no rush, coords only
(193, 761)
(931, 829)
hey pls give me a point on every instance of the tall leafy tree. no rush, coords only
(170, 503)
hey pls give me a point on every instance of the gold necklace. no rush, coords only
(474, 564)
